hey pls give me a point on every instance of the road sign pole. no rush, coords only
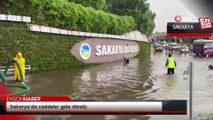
(191, 92)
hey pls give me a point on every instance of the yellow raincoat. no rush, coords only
(21, 61)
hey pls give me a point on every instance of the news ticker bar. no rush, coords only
(64, 105)
(187, 29)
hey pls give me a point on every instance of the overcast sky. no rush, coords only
(166, 10)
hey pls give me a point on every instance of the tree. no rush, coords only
(139, 9)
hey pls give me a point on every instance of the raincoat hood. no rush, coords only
(19, 54)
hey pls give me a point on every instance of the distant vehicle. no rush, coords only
(173, 46)
(203, 47)
(157, 43)
(158, 47)
(184, 49)
(164, 44)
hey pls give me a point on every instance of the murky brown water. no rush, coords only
(142, 79)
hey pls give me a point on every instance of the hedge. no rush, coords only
(69, 15)
(96, 4)
(145, 50)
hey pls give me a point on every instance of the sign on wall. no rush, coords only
(15, 18)
(46, 29)
(97, 50)
(105, 50)
(85, 51)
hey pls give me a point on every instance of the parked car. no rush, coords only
(184, 49)
(203, 47)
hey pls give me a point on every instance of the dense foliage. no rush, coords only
(96, 4)
(144, 50)
(139, 9)
(86, 15)
(69, 15)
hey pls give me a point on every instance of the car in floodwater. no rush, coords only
(183, 49)
(203, 47)
(173, 47)
(164, 44)
(158, 48)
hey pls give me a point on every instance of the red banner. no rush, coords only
(37, 99)
(189, 34)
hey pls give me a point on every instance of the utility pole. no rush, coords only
(191, 92)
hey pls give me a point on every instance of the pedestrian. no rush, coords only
(210, 67)
(126, 61)
(21, 61)
(171, 65)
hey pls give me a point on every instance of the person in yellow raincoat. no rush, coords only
(21, 61)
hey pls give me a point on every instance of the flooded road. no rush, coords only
(142, 79)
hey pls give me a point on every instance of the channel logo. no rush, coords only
(85, 51)
(205, 23)
(178, 18)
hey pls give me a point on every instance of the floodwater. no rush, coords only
(142, 79)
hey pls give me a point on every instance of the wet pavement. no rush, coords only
(142, 79)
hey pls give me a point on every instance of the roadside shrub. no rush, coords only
(68, 15)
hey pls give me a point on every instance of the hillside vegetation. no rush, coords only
(99, 16)
(69, 15)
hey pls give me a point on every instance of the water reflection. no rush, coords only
(124, 81)
(171, 82)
